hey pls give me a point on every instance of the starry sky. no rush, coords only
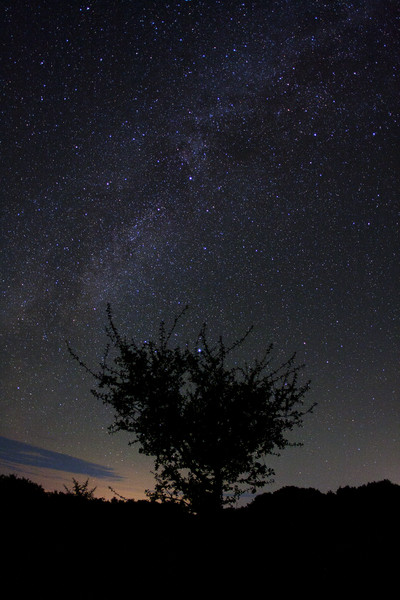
(242, 158)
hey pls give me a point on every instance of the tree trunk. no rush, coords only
(217, 491)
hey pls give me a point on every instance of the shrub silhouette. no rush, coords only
(20, 489)
(81, 490)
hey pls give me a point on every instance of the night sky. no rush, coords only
(242, 158)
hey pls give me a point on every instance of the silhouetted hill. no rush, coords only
(295, 536)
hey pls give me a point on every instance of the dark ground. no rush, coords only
(293, 540)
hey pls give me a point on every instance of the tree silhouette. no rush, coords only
(209, 426)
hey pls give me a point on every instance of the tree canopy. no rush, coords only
(208, 425)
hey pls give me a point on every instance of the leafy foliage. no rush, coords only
(209, 426)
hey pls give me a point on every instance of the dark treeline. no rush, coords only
(295, 536)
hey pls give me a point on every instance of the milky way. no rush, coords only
(239, 159)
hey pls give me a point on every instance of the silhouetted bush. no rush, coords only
(17, 488)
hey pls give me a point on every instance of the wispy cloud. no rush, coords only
(13, 454)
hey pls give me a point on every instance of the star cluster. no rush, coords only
(237, 157)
